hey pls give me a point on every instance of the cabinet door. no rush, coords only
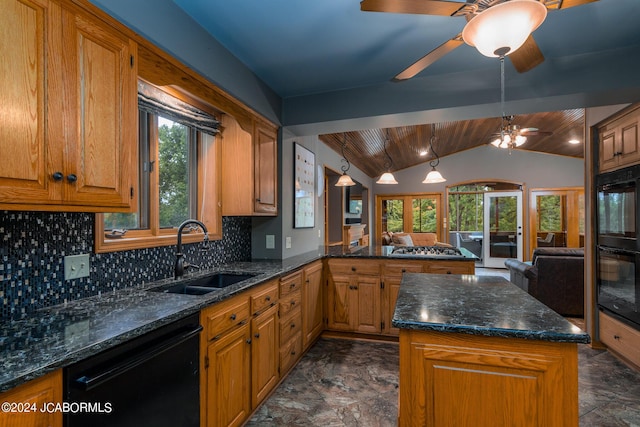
(266, 166)
(31, 52)
(339, 303)
(628, 148)
(264, 355)
(312, 306)
(229, 378)
(367, 304)
(100, 113)
(41, 391)
(391, 288)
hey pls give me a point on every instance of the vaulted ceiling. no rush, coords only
(365, 148)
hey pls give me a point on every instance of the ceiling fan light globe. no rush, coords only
(433, 177)
(386, 178)
(503, 28)
(345, 181)
(520, 139)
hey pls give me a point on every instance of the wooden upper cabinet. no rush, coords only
(265, 144)
(618, 140)
(68, 95)
(102, 113)
(249, 169)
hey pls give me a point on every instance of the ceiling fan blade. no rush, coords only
(565, 4)
(527, 57)
(429, 58)
(533, 131)
(423, 7)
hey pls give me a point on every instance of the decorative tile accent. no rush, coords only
(33, 246)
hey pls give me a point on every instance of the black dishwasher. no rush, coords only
(152, 380)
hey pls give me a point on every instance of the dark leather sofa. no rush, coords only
(555, 277)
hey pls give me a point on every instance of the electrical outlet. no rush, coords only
(287, 242)
(271, 241)
(76, 266)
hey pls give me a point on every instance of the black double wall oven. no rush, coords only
(618, 250)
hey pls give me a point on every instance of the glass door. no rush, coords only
(502, 227)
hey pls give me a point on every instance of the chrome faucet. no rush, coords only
(181, 263)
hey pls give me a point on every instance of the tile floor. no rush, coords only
(355, 383)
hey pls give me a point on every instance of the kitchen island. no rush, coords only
(477, 350)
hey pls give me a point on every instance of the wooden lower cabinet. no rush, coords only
(354, 303)
(290, 320)
(312, 303)
(241, 357)
(449, 379)
(228, 377)
(392, 272)
(264, 355)
(621, 338)
(44, 390)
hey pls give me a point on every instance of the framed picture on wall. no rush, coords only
(304, 187)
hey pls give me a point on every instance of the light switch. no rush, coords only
(271, 241)
(76, 266)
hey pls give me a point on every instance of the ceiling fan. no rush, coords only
(524, 58)
(512, 136)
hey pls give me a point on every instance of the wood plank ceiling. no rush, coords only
(365, 150)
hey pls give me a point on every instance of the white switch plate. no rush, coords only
(271, 241)
(76, 266)
(287, 242)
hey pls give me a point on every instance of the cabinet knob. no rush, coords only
(293, 325)
(57, 176)
(249, 341)
(257, 335)
(72, 178)
(233, 316)
(293, 302)
(616, 337)
(268, 298)
(293, 353)
(353, 269)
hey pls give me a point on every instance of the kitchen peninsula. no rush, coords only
(477, 350)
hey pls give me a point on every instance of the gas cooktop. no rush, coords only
(427, 251)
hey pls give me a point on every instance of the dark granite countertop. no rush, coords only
(56, 337)
(478, 305)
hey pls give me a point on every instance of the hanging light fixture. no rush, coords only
(387, 177)
(345, 180)
(501, 29)
(433, 177)
(509, 136)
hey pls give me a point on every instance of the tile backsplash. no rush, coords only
(33, 246)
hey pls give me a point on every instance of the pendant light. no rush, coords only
(387, 177)
(433, 177)
(345, 180)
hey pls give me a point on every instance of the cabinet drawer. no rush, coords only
(289, 303)
(621, 338)
(290, 352)
(396, 269)
(264, 299)
(291, 324)
(450, 268)
(290, 283)
(339, 266)
(222, 318)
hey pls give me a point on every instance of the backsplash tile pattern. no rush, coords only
(33, 246)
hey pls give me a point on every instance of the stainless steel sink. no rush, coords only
(203, 285)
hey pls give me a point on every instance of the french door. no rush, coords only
(502, 237)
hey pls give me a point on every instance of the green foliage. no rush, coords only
(466, 211)
(424, 216)
(549, 213)
(173, 174)
(126, 221)
(394, 215)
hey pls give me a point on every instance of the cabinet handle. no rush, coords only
(249, 341)
(293, 302)
(448, 272)
(258, 200)
(293, 285)
(257, 335)
(72, 178)
(353, 269)
(233, 316)
(293, 325)
(57, 176)
(616, 337)
(404, 270)
(293, 353)
(268, 298)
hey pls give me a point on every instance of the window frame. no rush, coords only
(408, 211)
(208, 174)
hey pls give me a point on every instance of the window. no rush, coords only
(178, 180)
(413, 213)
